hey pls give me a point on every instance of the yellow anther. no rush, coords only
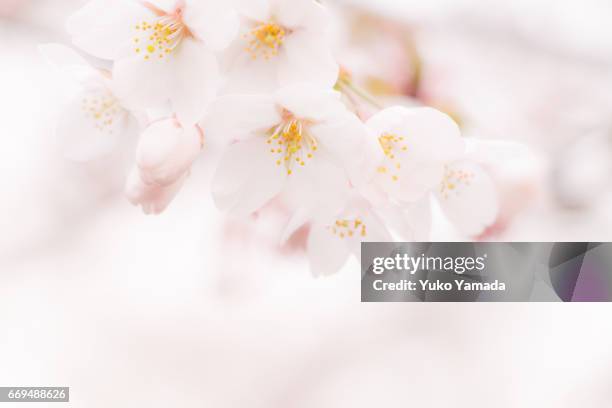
(266, 40)
(348, 228)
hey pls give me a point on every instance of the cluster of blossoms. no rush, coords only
(259, 77)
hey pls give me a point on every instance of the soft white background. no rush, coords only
(133, 311)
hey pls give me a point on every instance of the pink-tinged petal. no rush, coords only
(298, 219)
(247, 177)
(347, 139)
(65, 58)
(419, 218)
(320, 187)
(327, 253)
(142, 84)
(165, 5)
(215, 23)
(154, 199)
(310, 103)
(468, 197)
(411, 182)
(411, 222)
(105, 28)
(236, 117)
(91, 126)
(301, 14)
(240, 70)
(195, 80)
(429, 135)
(256, 10)
(307, 58)
(166, 151)
(375, 231)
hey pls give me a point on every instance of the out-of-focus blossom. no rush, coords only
(166, 151)
(580, 183)
(300, 142)
(8, 7)
(95, 121)
(282, 42)
(162, 50)
(365, 36)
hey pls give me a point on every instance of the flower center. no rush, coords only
(292, 144)
(349, 228)
(265, 40)
(392, 145)
(101, 109)
(453, 179)
(159, 38)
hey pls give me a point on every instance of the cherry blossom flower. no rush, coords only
(164, 157)
(95, 122)
(415, 146)
(282, 42)
(334, 240)
(162, 50)
(300, 143)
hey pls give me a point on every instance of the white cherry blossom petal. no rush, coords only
(195, 82)
(258, 10)
(235, 117)
(104, 28)
(240, 69)
(468, 197)
(302, 52)
(165, 5)
(213, 22)
(246, 178)
(296, 14)
(326, 253)
(298, 219)
(347, 139)
(410, 182)
(141, 84)
(65, 58)
(311, 103)
(419, 218)
(320, 187)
